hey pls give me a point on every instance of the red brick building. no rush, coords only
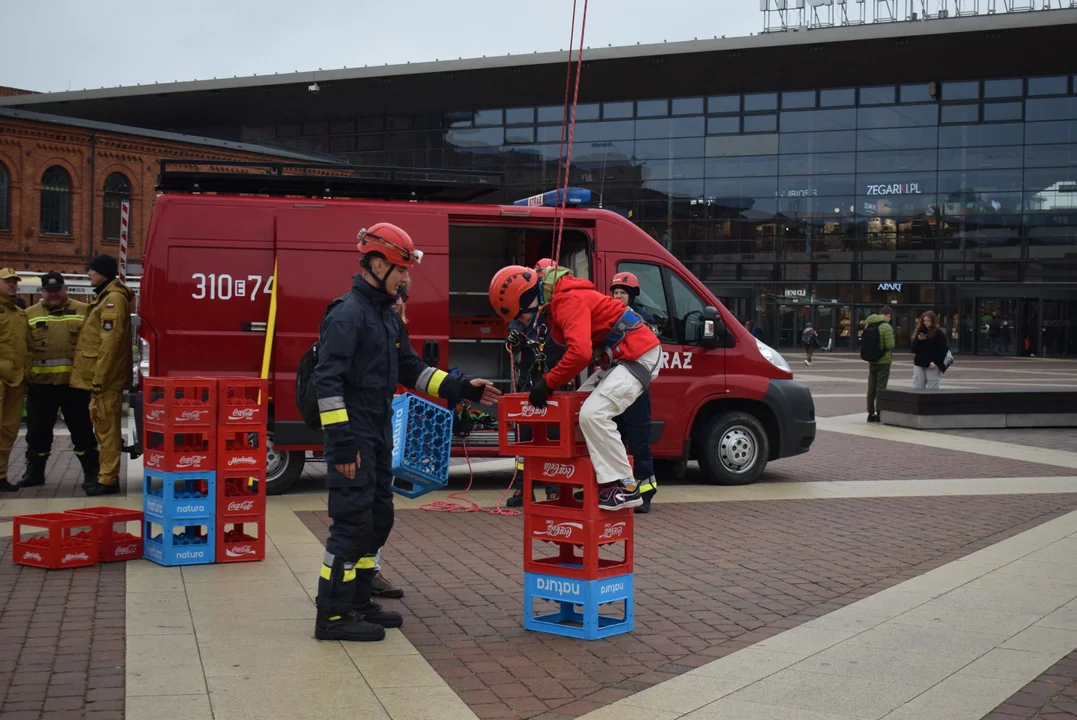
(62, 181)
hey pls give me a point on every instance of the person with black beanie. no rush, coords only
(103, 366)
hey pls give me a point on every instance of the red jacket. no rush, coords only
(580, 318)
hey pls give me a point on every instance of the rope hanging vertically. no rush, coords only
(560, 213)
(568, 128)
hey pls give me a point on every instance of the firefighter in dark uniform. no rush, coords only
(360, 361)
(54, 331)
(103, 366)
(635, 422)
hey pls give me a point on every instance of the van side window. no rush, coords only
(675, 305)
(652, 295)
(687, 311)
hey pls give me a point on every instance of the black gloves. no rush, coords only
(469, 391)
(539, 392)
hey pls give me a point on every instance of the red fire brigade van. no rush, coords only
(723, 398)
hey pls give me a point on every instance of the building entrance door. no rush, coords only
(999, 321)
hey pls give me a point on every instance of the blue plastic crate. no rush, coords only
(422, 443)
(177, 497)
(590, 595)
(165, 546)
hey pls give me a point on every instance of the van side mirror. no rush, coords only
(714, 331)
(431, 353)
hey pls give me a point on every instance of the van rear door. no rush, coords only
(316, 259)
(212, 260)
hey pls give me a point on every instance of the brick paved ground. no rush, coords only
(755, 570)
(1051, 696)
(63, 474)
(61, 641)
(836, 456)
(1050, 438)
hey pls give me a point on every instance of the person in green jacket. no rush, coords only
(879, 371)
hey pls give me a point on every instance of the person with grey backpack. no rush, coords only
(877, 347)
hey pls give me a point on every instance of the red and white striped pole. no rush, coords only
(125, 215)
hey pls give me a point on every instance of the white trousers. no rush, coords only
(613, 391)
(925, 377)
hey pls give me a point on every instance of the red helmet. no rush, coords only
(390, 241)
(508, 288)
(625, 280)
(544, 264)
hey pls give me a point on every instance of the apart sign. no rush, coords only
(890, 287)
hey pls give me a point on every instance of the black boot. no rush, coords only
(90, 461)
(97, 489)
(376, 614)
(646, 506)
(348, 627)
(35, 470)
(383, 588)
(367, 609)
(5, 486)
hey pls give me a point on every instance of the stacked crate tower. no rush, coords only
(242, 422)
(204, 470)
(588, 578)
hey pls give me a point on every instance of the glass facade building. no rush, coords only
(802, 176)
(805, 205)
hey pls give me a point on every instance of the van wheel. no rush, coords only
(734, 450)
(283, 468)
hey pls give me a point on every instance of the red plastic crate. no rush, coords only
(170, 449)
(114, 544)
(241, 539)
(563, 477)
(604, 545)
(180, 402)
(241, 448)
(69, 541)
(477, 328)
(561, 414)
(242, 401)
(240, 493)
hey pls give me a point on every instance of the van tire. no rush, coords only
(734, 449)
(284, 468)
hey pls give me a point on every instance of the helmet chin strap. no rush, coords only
(368, 268)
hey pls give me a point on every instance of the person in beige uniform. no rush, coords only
(103, 366)
(14, 358)
(55, 323)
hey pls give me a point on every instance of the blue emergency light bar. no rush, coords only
(576, 196)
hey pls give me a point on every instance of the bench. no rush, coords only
(978, 408)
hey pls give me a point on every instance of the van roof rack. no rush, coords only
(324, 180)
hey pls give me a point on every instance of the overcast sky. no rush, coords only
(52, 45)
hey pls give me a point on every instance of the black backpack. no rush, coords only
(306, 397)
(871, 347)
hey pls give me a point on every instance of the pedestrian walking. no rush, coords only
(930, 351)
(14, 359)
(877, 347)
(103, 366)
(55, 323)
(810, 340)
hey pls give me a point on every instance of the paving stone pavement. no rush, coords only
(62, 643)
(758, 569)
(63, 474)
(1051, 696)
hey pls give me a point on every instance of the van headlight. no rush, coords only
(772, 356)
